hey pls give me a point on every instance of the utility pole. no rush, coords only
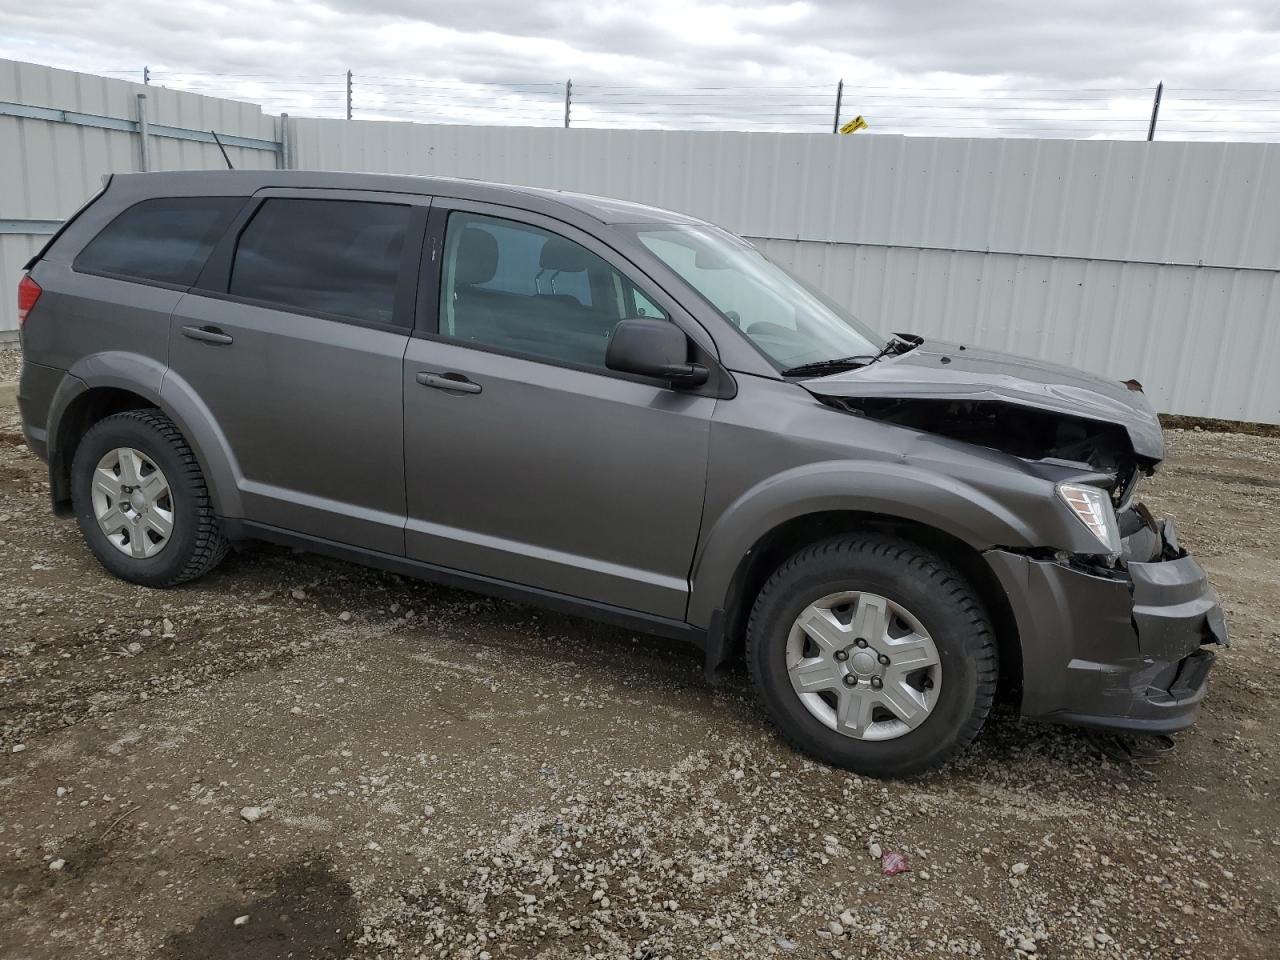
(1155, 111)
(348, 94)
(146, 76)
(835, 124)
(568, 101)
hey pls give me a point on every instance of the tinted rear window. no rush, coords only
(335, 257)
(167, 239)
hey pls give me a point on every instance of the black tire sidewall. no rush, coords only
(124, 430)
(950, 621)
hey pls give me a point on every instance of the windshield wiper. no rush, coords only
(821, 368)
(897, 344)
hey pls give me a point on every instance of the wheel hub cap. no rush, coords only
(132, 502)
(863, 665)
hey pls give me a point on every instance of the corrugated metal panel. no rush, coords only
(1154, 260)
(1203, 340)
(48, 169)
(1193, 203)
(15, 250)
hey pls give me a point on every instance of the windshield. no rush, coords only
(790, 323)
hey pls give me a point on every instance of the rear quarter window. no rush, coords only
(163, 240)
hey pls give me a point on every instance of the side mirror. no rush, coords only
(653, 348)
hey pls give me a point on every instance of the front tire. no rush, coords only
(873, 654)
(142, 503)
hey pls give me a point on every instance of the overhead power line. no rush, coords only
(1084, 112)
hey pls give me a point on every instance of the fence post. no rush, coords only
(1155, 111)
(284, 162)
(835, 124)
(348, 94)
(144, 135)
(568, 101)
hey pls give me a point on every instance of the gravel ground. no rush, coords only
(10, 362)
(298, 757)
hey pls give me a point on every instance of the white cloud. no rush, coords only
(1083, 67)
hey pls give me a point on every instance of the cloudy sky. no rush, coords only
(988, 67)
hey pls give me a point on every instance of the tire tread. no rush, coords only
(210, 546)
(941, 575)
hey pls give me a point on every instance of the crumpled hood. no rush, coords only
(937, 370)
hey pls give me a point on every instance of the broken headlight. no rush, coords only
(1092, 507)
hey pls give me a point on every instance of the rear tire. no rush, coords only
(929, 657)
(142, 502)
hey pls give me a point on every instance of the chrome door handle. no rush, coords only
(207, 335)
(453, 382)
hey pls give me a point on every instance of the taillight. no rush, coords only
(28, 293)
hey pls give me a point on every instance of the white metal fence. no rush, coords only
(1159, 261)
(61, 131)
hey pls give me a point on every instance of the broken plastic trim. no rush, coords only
(1135, 520)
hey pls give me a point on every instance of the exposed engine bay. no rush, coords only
(1016, 430)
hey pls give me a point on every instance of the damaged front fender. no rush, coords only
(1025, 408)
(938, 372)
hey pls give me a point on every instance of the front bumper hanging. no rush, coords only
(1128, 648)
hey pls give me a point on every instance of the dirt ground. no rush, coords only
(296, 757)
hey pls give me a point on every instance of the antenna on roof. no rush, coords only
(222, 148)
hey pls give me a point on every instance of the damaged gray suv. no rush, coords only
(621, 412)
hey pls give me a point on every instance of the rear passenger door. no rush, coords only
(293, 338)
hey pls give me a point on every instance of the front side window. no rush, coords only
(165, 240)
(789, 322)
(517, 287)
(333, 257)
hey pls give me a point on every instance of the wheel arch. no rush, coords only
(78, 414)
(105, 384)
(726, 633)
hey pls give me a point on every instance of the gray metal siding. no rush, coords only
(1194, 203)
(1154, 260)
(1201, 339)
(48, 168)
(1151, 260)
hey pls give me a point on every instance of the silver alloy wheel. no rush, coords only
(863, 665)
(132, 502)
